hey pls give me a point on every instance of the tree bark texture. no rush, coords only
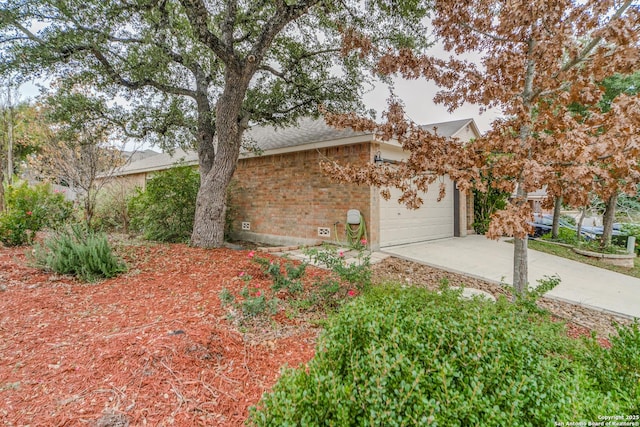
(520, 255)
(557, 208)
(583, 213)
(607, 220)
(520, 266)
(218, 163)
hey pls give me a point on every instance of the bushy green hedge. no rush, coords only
(411, 357)
(78, 252)
(631, 230)
(165, 210)
(30, 209)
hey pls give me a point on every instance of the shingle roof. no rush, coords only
(307, 131)
(448, 128)
(159, 162)
(136, 155)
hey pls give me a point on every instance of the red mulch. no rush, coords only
(578, 331)
(154, 344)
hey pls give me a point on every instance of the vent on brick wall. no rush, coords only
(246, 225)
(324, 232)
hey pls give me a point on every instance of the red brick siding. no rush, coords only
(288, 195)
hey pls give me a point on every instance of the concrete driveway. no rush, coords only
(492, 260)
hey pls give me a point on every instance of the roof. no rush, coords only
(160, 161)
(307, 131)
(134, 156)
(451, 128)
(269, 139)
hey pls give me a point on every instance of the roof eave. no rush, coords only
(351, 140)
(162, 167)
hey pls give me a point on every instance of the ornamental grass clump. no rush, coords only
(410, 357)
(79, 252)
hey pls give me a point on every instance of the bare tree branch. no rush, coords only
(116, 77)
(275, 72)
(198, 16)
(596, 40)
(284, 14)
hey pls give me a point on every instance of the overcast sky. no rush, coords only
(417, 96)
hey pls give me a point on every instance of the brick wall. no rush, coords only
(286, 197)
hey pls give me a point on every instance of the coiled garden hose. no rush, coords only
(355, 235)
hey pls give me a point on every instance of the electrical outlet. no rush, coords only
(246, 225)
(324, 232)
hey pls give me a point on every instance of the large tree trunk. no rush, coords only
(218, 163)
(557, 208)
(208, 226)
(607, 220)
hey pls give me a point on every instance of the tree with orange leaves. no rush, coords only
(539, 57)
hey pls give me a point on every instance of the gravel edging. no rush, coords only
(411, 273)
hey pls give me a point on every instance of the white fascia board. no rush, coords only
(390, 143)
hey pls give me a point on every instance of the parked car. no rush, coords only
(543, 223)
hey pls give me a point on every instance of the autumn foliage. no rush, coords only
(539, 58)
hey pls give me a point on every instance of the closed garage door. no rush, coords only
(433, 220)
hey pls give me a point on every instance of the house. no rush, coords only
(282, 197)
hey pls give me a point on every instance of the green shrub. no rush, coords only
(632, 230)
(486, 204)
(252, 303)
(595, 246)
(357, 272)
(569, 220)
(166, 209)
(529, 301)
(112, 210)
(14, 230)
(616, 371)
(289, 280)
(565, 235)
(412, 357)
(256, 305)
(30, 209)
(78, 252)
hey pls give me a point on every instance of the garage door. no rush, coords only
(433, 220)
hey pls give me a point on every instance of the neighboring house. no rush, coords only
(282, 197)
(536, 198)
(72, 193)
(135, 155)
